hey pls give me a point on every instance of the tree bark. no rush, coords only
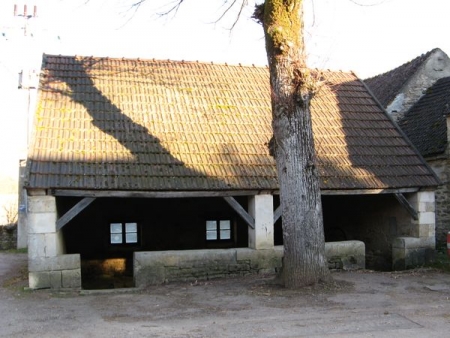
(292, 146)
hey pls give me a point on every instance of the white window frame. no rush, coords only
(218, 230)
(123, 233)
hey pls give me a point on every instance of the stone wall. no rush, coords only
(55, 272)
(441, 166)
(8, 237)
(418, 247)
(152, 268)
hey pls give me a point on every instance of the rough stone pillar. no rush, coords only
(43, 240)
(418, 249)
(260, 207)
(47, 266)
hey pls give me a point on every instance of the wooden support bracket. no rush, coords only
(241, 211)
(404, 202)
(76, 209)
(276, 214)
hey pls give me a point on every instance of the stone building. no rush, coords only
(161, 169)
(417, 95)
(427, 126)
(399, 89)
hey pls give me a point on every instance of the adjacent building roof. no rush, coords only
(150, 125)
(388, 85)
(426, 122)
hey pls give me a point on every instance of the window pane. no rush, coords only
(225, 225)
(225, 234)
(116, 238)
(116, 228)
(131, 237)
(130, 227)
(211, 225)
(211, 235)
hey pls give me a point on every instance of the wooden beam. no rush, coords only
(276, 214)
(151, 194)
(76, 209)
(368, 191)
(241, 211)
(404, 202)
(187, 194)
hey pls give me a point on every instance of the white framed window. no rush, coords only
(123, 233)
(218, 230)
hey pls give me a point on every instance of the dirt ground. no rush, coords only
(360, 304)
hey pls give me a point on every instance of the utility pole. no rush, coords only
(26, 17)
(28, 80)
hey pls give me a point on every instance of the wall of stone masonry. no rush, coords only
(8, 237)
(151, 268)
(417, 247)
(441, 166)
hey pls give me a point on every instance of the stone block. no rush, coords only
(411, 258)
(425, 196)
(413, 243)
(51, 245)
(149, 275)
(41, 223)
(39, 280)
(41, 204)
(347, 255)
(247, 254)
(55, 279)
(427, 207)
(58, 263)
(71, 279)
(426, 230)
(36, 246)
(427, 218)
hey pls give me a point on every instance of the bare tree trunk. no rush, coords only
(293, 145)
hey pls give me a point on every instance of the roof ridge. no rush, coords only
(46, 55)
(156, 60)
(416, 61)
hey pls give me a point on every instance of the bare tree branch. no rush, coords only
(243, 4)
(369, 5)
(174, 9)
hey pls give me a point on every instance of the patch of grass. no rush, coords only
(442, 261)
(16, 251)
(18, 281)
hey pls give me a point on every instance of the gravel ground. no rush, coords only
(409, 304)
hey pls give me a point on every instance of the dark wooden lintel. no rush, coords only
(151, 194)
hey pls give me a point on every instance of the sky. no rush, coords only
(365, 36)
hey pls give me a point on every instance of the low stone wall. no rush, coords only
(346, 255)
(55, 272)
(411, 252)
(159, 267)
(8, 237)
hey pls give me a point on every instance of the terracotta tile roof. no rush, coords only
(388, 85)
(426, 122)
(123, 124)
